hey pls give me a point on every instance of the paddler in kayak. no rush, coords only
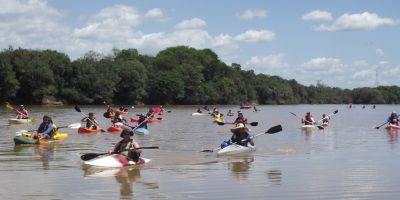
(91, 121)
(308, 119)
(393, 118)
(118, 118)
(217, 116)
(142, 123)
(325, 120)
(46, 129)
(127, 146)
(240, 136)
(240, 119)
(199, 110)
(22, 113)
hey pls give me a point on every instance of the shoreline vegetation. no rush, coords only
(178, 75)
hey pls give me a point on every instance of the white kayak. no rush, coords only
(19, 121)
(234, 149)
(115, 160)
(197, 114)
(141, 131)
(308, 126)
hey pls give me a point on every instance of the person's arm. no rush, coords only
(135, 147)
(83, 119)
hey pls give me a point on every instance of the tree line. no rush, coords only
(176, 75)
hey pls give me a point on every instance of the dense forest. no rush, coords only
(177, 75)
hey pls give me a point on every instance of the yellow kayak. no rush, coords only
(25, 138)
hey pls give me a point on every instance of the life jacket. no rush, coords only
(238, 138)
(123, 149)
(308, 120)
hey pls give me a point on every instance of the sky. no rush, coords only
(346, 44)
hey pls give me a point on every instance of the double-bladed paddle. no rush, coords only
(89, 156)
(272, 130)
(223, 123)
(80, 111)
(73, 126)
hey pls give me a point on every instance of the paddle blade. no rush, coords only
(336, 111)
(254, 123)
(207, 150)
(74, 126)
(320, 127)
(77, 109)
(9, 106)
(90, 156)
(274, 129)
(293, 114)
(221, 123)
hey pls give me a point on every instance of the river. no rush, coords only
(348, 160)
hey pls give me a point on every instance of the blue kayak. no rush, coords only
(142, 131)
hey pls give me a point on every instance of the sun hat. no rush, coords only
(239, 126)
(126, 131)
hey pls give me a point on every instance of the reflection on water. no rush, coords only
(275, 176)
(240, 168)
(393, 135)
(45, 152)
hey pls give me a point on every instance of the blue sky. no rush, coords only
(346, 44)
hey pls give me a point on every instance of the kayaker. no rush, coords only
(110, 111)
(240, 119)
(393, 118)
(122, 108)
(217, 116)
(118, 118)
(230, 113)
(308, 119)
(91, 121)
(22, 113)
(46, 129)
(325, 119)
(142, 123)
(127, 146)
(199, 110)
(240, 136)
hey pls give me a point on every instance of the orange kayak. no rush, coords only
(85, 130)
(114, 129)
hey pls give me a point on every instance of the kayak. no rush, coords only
(392, 126)
(114, 129)
(197, 114)
(123, 112)
(234, 149)
(25, 138)
(246, 106)
(19, 121)
(141, 131)
(307, 126)
(115, 160)
(84, 130)
(230, 114)
(136, 119)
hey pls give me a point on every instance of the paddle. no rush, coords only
(318, 126)
(9, 106)
(223, 123)
(377, 127)
(159, 118)
(80, 111)
(90, 156)
(329, 116)
(272, 130)
(73, 126)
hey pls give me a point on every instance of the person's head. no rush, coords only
(394, 113)
(91, 115)
(240, 114)
(240, 128)
(308, 113)
(323, 115)
(126, 133)
(46, 118)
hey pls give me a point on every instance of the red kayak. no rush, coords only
(85, 130)
(136, 119)
(114, 129)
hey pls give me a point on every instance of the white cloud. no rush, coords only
(113, 23)
(318, 15)
(193, 23)
(363, 21)
(269, 61)
(251, 14)
(323, 64)
(155, 14)
(256, 36)
(380, 52)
